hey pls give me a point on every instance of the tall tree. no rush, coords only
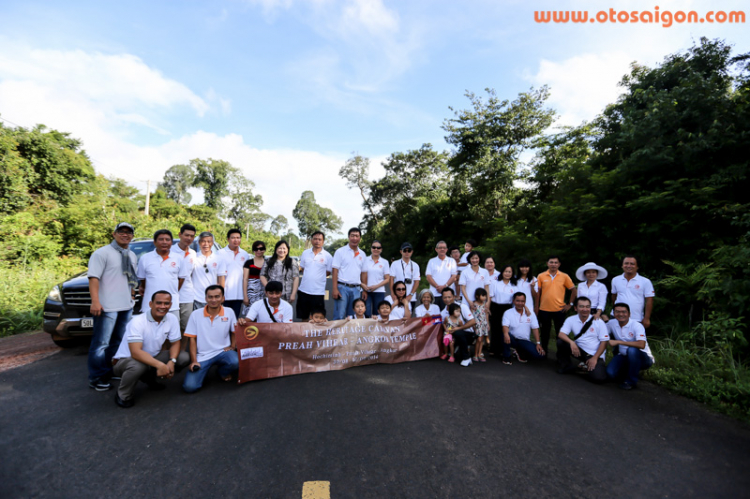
(356, 172)
(244, 205)
(279, 225)
(312, 217)
(177, 180)
(214, 176)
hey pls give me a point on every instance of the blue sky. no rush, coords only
(288, 89)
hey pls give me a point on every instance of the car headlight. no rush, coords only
(55, 295)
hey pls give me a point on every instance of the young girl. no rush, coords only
(451, 322)
(427, 306)
(482, 329)
(359, 307)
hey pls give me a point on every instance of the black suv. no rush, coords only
(67, 309)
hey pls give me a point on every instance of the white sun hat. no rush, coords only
(591, 266)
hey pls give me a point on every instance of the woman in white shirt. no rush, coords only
(401, 309)
(375, 275)
(591, 288)
(427, 306)
(474, 277)
(527, 282)
(503, 289)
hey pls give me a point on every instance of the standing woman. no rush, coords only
(496, 312)
(592, 289)
(282, 268)
(375, 275)
(251, 285)
(527, 283)
(474, 277)
(502, 296)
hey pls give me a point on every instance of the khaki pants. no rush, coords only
(131, 370)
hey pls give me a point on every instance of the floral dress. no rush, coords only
(482, 327)
(280, 273)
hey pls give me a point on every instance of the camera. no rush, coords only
(407, 281)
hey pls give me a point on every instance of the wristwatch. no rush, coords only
(174, 361)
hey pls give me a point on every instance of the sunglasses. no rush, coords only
(400, 289)
(376, 247)
(407, 250)
(259, 249)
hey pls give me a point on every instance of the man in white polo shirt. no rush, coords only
(140, 356)
(270, 309)
(406, 270)
(316, 265)
(635, 290)
(347, 275)
(234, 259)
(518, 324)
(463, 335)
(441, 272)
(162, 269)
(632, 353)
(112, 284)
(590, 345)
(208, 266)
(211, 333)
(186, 254)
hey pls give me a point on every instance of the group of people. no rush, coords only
(192, 302)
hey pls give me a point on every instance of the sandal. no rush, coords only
(515, 353)
(507, 362)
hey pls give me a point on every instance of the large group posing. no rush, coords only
(193, 301)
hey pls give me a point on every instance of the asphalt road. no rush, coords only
(421, 429)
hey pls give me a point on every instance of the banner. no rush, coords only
(274, 350)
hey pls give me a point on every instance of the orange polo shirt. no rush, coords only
(553, 290)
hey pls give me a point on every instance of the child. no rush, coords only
(482, 328)
(384, 311)
(452, 321)
(318, 316)
(359, 307)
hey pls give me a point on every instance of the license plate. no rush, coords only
(87, 322)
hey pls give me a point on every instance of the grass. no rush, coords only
(23, 290)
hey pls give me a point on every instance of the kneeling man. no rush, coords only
(634, 354)
(590, 343)
(211, 333)
(518, 324)
(140, 355)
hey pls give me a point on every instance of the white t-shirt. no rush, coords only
(205, 273)
(525, 287)
(520, 325)
(316, 268)
(465, 258)
(400, 270)
(190, 260)
(633, 292)
(233, 264)
(389, 299)
(144, 329)
(590, 339)
(259, 313)
(161, 274)
(211, 336)
(441, 271)
(376, 272)
(114, 292)
(597, 293)
(473, 280)
(397, 313)
(421, 311)
(349, 264)
(466, 314)
(502, 293)
(633, 331)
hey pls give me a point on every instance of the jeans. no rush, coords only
(372, 301)
(109, 328)
(227, 362)
(522, 346)
(545, 325)
(343, 306)
(629, 365)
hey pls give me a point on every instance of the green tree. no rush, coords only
(279, 225)
(312, 217)
(356, 172)
(244, 205)
(177, 180)
(215, 177)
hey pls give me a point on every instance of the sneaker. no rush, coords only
(125, 404)
(99, 385)
(444, 356)
(451, 359)
(518, 357)
(626, 386)
(466, 363)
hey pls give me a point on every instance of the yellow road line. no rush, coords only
(316, 490)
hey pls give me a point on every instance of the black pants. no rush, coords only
(545, 324)
(462, 339)
(305, 303)
(235, 305)
(564, 354)
(496, 327)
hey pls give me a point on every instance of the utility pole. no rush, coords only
(148, 194)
